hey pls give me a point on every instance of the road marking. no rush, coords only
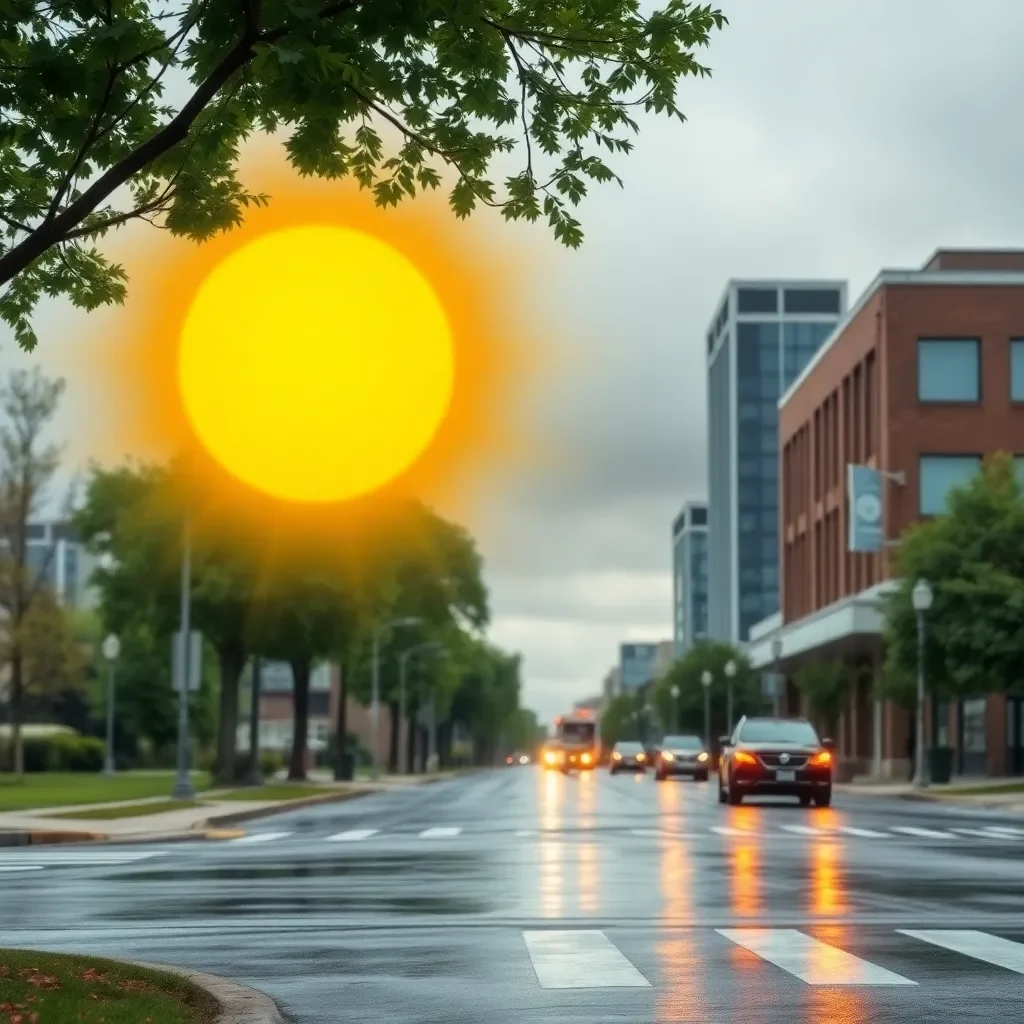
(977, 945)
(803, 830)
(354, 836)
(866, 833)
(81, 858)
(650, 833)
(260, 837)
(440, 833)
(810, 960)
(1016, 833)
(580, 959)
(523, 832)
(984, 834)
(728, 830)
(926, 833)
(21, 867)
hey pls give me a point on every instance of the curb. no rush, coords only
(238, 1003)
(222, 822)
(48, 837)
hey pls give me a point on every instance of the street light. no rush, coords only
(776, 655)
(705, 681)
(921, 597)
(675, 704)
(403, 660)
(111, 651)
(375, 698)
(730, 674)
(182, 789)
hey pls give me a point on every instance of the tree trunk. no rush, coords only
(341, 726)
(424, 747)
(300, 719)
(412, 728)
(232, 662)
(17, 710)
(395, 725)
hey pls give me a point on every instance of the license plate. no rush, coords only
(785, 776)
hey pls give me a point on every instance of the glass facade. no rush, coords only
(939, 474)
(721, 427)
(948, 370)
(637, 664)
(690, 569)
(1017, 370)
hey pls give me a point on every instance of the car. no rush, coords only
(682, 755)
(628, 756)
(550, 756)
(775, 757)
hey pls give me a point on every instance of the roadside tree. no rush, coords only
(402, 91)
(825, 686)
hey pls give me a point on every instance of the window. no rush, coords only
(1017, 370)
(948, 370)
(757, 300)
(939, 474)
(812, 300)
(699, 516)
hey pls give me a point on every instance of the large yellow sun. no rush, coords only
(316, 363)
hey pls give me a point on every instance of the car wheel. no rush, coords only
(703, 777)
(823, 799)
(734, 795)
(805, 799)
(660, 776)
(721, 791)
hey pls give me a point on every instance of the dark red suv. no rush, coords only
(775, 757)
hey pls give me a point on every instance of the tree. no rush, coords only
(619, 719)
(825, 685)
(686, 673)
(133, 515)
(973, 558)
(28, 401)
(87, 117)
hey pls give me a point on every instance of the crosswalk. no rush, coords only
(38, 859)
(589, 958)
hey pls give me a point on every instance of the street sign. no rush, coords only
(195, 663)
(771, 684)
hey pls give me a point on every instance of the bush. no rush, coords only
(39, 752)
(271, 761)
(77, 753)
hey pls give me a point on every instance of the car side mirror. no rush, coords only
(725, 740)
(829, 744)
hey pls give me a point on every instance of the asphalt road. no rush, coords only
(522, 896)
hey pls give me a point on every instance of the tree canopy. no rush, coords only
(972, 555)
(137, 111)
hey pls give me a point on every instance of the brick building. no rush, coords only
(921, 380)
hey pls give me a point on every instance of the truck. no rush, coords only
(576, 741)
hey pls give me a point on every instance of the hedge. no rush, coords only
(61, 752)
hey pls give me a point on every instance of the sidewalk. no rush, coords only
(1006, 794)
(210, 817)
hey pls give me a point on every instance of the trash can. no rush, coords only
(940, 765)
(345, 768)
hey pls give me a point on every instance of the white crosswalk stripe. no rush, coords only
(261, 837)
(580, 959)
(809, 959)
(803, 830)
(354, 836)
(440, 833)
(21, 867)
(864, 833)
(978, 945)
(76, 858)
(923, 833)
(981, 833)
(728, 830)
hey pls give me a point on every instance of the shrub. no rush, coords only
(77, 753)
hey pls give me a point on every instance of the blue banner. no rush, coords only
(864, 495)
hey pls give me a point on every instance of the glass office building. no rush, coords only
(764, 333)
(690, 576)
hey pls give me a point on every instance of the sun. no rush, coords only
(316, 363)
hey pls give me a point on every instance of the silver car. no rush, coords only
(628, 756)
(682, 755)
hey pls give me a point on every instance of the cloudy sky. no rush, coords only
(832, 139)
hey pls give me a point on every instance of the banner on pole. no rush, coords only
(864, 511)
(195, 661)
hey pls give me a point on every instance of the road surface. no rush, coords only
(521, 896)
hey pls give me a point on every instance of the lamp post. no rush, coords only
(776, 690)
(675, 705)
(375, 697)
(921, 597)
(255, 772)
(730, 675)
(182, 789)
(111, 651)
(403, 661)
(705, 681)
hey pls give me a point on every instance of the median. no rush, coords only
(54, 988)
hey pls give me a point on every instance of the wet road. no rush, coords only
(524, 896)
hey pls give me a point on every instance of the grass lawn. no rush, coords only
(56, 789)
(989, 790)
(279, 791)
(40, 988)
(131, 810)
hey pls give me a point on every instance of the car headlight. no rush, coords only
(641, 757)
(549, 757)
(667, 755)
(702, 757)
(585, 759)
(821, 759)
(524, 760)
(616, 756)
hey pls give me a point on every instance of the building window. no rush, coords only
(1017, 370)
(812, 300)
(939, 474)
(948, 370)
(699, 516)
(757, 300)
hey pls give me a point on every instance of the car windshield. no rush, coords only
(774, 730)
(628, 748)
(682, 743)
(578, 732)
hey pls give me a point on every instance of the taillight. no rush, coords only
(742, 757)
(821, 759)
